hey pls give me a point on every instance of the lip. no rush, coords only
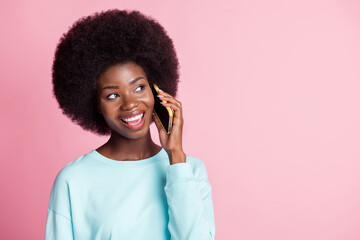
(134, 127)
(132, 114)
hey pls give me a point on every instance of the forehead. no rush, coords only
(121, 73)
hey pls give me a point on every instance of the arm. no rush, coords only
(58, 223)
(57, 226)
(188, 192)
(191, 214)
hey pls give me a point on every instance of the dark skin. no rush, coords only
(122, 91)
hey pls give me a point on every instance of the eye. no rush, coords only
(139, 88)
(111, 96)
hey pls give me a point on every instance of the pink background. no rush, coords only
(270, 91)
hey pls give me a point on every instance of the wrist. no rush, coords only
(176, 156)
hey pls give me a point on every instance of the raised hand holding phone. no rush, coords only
(172, 142)
(165, 114)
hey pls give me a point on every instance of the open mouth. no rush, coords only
(134, 122)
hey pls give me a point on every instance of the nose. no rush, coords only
(128, 103)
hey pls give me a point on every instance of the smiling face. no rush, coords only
(125, 100)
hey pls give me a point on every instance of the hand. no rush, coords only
(172, 143)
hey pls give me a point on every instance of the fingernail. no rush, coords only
(160, 90)
(160, 95)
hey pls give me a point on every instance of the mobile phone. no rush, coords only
(165, 114)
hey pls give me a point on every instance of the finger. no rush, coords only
(170, 99)
(164, 93)
(176, 110)
(175, 107)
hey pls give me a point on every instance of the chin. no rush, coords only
(135, 135)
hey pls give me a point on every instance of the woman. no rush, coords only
(130, 187)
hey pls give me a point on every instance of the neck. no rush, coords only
(120, 148)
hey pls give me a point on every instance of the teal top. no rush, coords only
(95, 197)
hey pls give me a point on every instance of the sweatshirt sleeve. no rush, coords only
(58, 222)
(57, 226)
(188, 192)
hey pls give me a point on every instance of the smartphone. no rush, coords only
(165, 114)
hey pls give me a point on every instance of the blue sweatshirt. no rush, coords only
(95, 197)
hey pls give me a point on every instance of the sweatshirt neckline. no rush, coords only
(127, 163)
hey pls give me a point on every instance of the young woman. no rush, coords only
(130, 187)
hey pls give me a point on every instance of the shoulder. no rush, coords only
(59, 201)
(71, 169)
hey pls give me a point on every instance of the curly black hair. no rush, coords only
(101, 40)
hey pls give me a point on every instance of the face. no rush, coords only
(125, 100)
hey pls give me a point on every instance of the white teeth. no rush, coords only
(133, 118)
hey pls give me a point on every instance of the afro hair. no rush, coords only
(99, 41)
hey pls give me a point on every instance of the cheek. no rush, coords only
(148, 100)
(108, 110)
(110, 122)
(151, 103)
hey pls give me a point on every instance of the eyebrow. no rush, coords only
(117, 87)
